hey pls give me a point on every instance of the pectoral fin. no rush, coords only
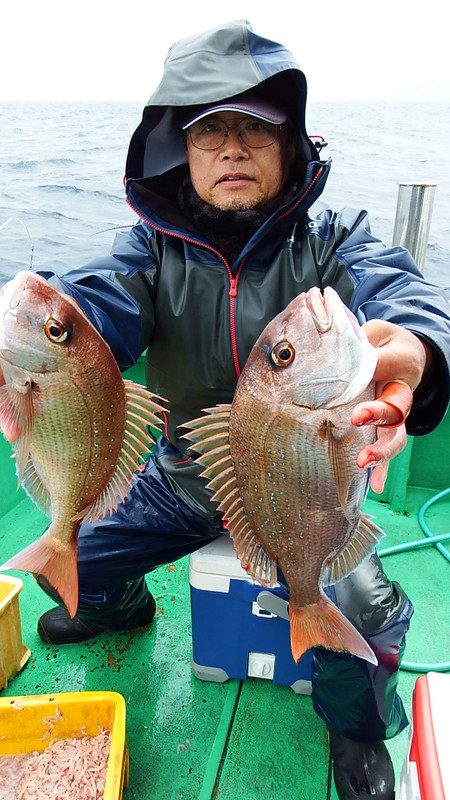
(360, 545)
(338, 449)
(210, 435)
(35, 489)
(17, 414)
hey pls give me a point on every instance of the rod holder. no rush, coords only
(411, 230)
(413, 218)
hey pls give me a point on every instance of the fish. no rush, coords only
(83, 428)
(280, 461)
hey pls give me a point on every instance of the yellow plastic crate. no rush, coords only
(24, 729)
(13, 653)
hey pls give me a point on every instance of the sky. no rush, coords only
(389, 50)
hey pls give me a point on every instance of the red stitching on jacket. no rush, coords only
(310, 185)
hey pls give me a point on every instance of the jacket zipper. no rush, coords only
(233, 280)
(233, 296)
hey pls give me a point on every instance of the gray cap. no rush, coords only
(254, 107)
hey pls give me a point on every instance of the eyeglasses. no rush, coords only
(210, 133)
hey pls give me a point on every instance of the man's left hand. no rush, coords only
(403, 359)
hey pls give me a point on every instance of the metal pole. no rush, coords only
(411, 229)
(413, 217)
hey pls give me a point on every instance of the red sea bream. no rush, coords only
(82, 427)
(281, 461)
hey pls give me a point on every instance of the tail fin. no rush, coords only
(321, 624)
(55, 561)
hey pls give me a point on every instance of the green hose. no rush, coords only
(437, 542)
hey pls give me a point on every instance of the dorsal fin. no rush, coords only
(142, 410)
(210, 437)
(359, 546)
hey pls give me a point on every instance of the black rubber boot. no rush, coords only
(57, 627)
(362, 770)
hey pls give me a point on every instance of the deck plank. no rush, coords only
(277, 747)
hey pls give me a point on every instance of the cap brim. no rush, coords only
(260, 111)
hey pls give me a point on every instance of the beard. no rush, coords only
(228, 227)
(237, 204)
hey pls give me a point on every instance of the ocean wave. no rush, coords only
(437, 252)
(56, 215)
(71, 189)
(62, 161)
(23, 166)
(101, 148)
(28, 165)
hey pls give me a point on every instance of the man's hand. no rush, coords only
(402, 360)
(9, 429)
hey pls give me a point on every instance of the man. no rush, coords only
(222, 174)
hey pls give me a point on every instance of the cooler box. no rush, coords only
(233, 634)
(426, 771)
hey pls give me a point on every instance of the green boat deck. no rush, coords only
(194, 740)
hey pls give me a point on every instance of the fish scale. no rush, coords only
(299, 498)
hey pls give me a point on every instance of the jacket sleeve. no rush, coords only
(116, 292)
(387, 284)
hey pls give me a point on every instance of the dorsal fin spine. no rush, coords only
(212, 484)
(223, 491)
(240, 513)
(194, 436)
(227, 508)
(139, 428)
(130, 447)
(210, 456)
(138, 441)
(216, 437)
(209, 471)
(227, 500)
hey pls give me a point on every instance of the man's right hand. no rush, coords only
(10, 429)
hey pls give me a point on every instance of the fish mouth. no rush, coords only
(320, 308)
(327, 310)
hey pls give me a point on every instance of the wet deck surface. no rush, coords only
(193, 740)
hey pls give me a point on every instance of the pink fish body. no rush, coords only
(82, 426)
(281, 461)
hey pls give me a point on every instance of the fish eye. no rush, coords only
(283, 354)
(55, 330)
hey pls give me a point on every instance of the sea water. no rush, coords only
(62, 167)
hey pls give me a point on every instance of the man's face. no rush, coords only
(236, 177)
